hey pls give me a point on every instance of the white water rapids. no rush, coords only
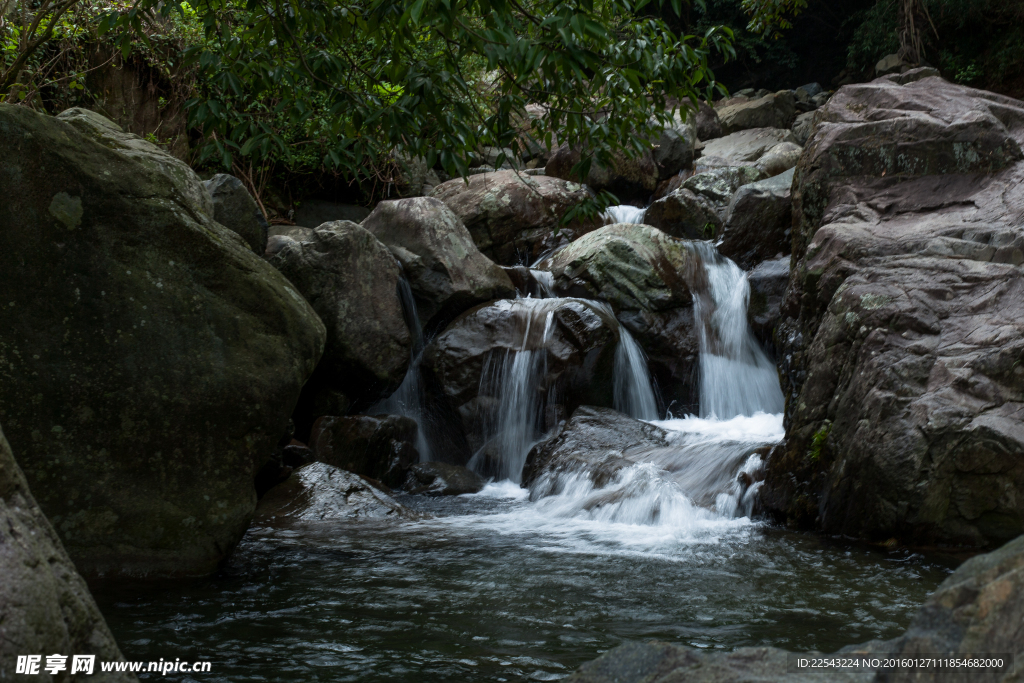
(704, 481)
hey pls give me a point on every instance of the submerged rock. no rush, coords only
(235, 209)
(660, 662)
(322, 493)
(446, 271)
(596, 442)
(351, 281)
(442, 479)
(902, 328)
(382, 447)
(45, 606)
(149, 361)
(978, 611)
(758, 221)
(515, 218)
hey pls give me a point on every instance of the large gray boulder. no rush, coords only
(573, 342)
(446, 271)
(682, 213)
(746, 146)
(45, 606)
(351, 280)
(771, 111)
(758, 220)
(780, 158)
(235, 209)
(647, 278)
(904, 320)
(628, 179)
(149, 360)
(719, 185)
(674, 148)
(515, 218)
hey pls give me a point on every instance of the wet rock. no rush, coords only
(646, 276)
(45, 606)
(758, 220)
(780, 158)
(768, 283)
(515, 218)
(322, 493)
(902, 324)
(596, 441)
(446, 271)
(351, 281)
(235, 209)
(771, 111)
(381, 447)
(746, 146)
(802, 127)
(706, 122)
(718, 185)
(580, 339)
(295, 232)
(674, 148)
(659, 662)
(627, 179)
(684, 214)
(314, 212)
(149, 360)
(978, 609)
(442, 479)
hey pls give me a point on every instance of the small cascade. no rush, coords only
(545, 283)
(736, 376)
(409, 400)
(632, 380)
(624, 213)
(515, 377)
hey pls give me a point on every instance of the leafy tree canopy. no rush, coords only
(435, 78)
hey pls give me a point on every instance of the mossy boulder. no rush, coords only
(446, 271)
(149, 360)
(45, 606)
(515, 218)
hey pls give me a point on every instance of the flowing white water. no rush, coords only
(624, 213)
(632, 381)
(408, 400)
(515, 378)
(736, 376)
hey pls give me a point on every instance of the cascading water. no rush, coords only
(632, 381)
(624, 213)
(408, 400)
(736, 376)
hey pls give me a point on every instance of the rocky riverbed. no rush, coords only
(457, 439)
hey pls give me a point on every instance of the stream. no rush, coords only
(515, 584)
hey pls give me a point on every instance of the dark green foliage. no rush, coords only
(980, 42)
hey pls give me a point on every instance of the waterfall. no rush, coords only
(408, 399)
(545, 282)
(632, 381)
(736, 376)
(514, 378)
(624, 213)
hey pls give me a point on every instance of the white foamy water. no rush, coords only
(736, 376)
(624, 213)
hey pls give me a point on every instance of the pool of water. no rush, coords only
(493, 587)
